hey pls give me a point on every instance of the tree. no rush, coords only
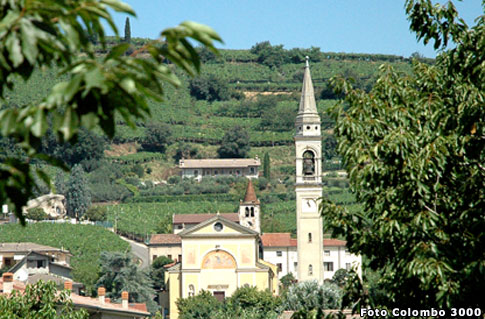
(266, 166)
(47, 33)
(96, 213)
(209, 88)
(127, 30)
(287, 280)
(414, 148)
(246, 297)
(52, 304)
(340, 277)
(120, 273)
(185, 150)
(157, 137)
(78, 196)
(235, 143)
(59, 183)
(157, 271)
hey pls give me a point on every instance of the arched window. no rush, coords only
(310, 270)
(191, 290)
(309, 237)
(247, 211)
(308, 163)
(252, 211)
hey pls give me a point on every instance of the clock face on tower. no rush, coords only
(309, 205)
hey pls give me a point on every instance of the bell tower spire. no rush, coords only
(308, 186)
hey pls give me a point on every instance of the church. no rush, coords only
(221, 252)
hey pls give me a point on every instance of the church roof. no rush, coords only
(219, 163)
(250, 196)
(199, 218)
(243, 231)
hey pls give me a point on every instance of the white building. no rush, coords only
(198, 168)
(281, 250)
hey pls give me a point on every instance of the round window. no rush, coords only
(218, 226)
(308, 127)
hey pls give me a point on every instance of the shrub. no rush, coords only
(138, 170)
(96, 213)
(309, 296)
(200, 306)
(247, 297)
(36, 214)
(174, 179)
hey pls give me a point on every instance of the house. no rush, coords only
(198, 168)
(97, 308)
(217, 255)
(280, 249)
(30, 262)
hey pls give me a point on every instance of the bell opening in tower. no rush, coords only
(308, 163)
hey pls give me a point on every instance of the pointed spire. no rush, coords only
(250, 196)
(307, 101)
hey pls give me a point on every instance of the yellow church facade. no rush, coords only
(219, 256)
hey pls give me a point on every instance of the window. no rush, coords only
(238, 173)
(196, 172)
(40, 264)
(247, 211)
(308, 163)
(309, 237)
(218, 226)
(326, 252)
(279, 266)
(169, 257)
(7, 261)
(347, 266)
(252, 211)
(279, 253)
(216, 172)
(310, 270)
(191, 290)
(328, 266)
(180, 258)
(252, 170)
(295, 264)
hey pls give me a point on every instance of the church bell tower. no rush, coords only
(308, 187)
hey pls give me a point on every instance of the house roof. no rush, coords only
(165, 239)
(26, 247)
(285, 240)
(250, 196)
(199, 218)
(32, 279)
(219, 163)
(17, 285)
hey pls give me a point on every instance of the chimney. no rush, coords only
(7, 282)
(124, 299)
(107, 300)
(68, 285)
(101, 294)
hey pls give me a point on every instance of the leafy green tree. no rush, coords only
(120, 273)
(209, 88)
(199, 306)
(340, 277)
(138, 170)
(157, 271)
(185, 150)
(272, 56)
(309, 296)
(414, 148)
(235, 143)
(329, 146)
(60, 183)
(50, 34)
(36, 214)
(287, 280)
(266, 166)
(157, 137)
(127, 38)
(52, 304)
(96, 213)
(246, 297)
(78, 196)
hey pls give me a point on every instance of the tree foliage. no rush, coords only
(40, 300)
(414, 148)
(266, 166)
(78, 196)
(308, 296)
(120, 273)
(209, 88)
(235, 144)
(202, 305)
(157, 271)
(49, 33)
(157, 137)
(127, 30)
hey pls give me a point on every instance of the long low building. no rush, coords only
(198, 168)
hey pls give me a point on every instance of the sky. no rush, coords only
(350, 26)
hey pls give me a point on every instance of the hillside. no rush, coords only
(256, 91)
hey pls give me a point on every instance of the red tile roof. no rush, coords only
(277, 240)
(199, 218)
(250, 194)
(285, 240)
(165, 239)
(139, 306)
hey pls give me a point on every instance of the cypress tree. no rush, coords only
(266, 166)
(78, 196)
(127, 30)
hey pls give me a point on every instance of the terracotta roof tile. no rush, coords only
(219, 163)
(199, 218)
(139, 306)
(250, 194)
(285, 240)
(165, 239)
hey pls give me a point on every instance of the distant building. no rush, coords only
(198, 168)
(280, 249)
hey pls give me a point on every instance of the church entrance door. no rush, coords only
(220, 295)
